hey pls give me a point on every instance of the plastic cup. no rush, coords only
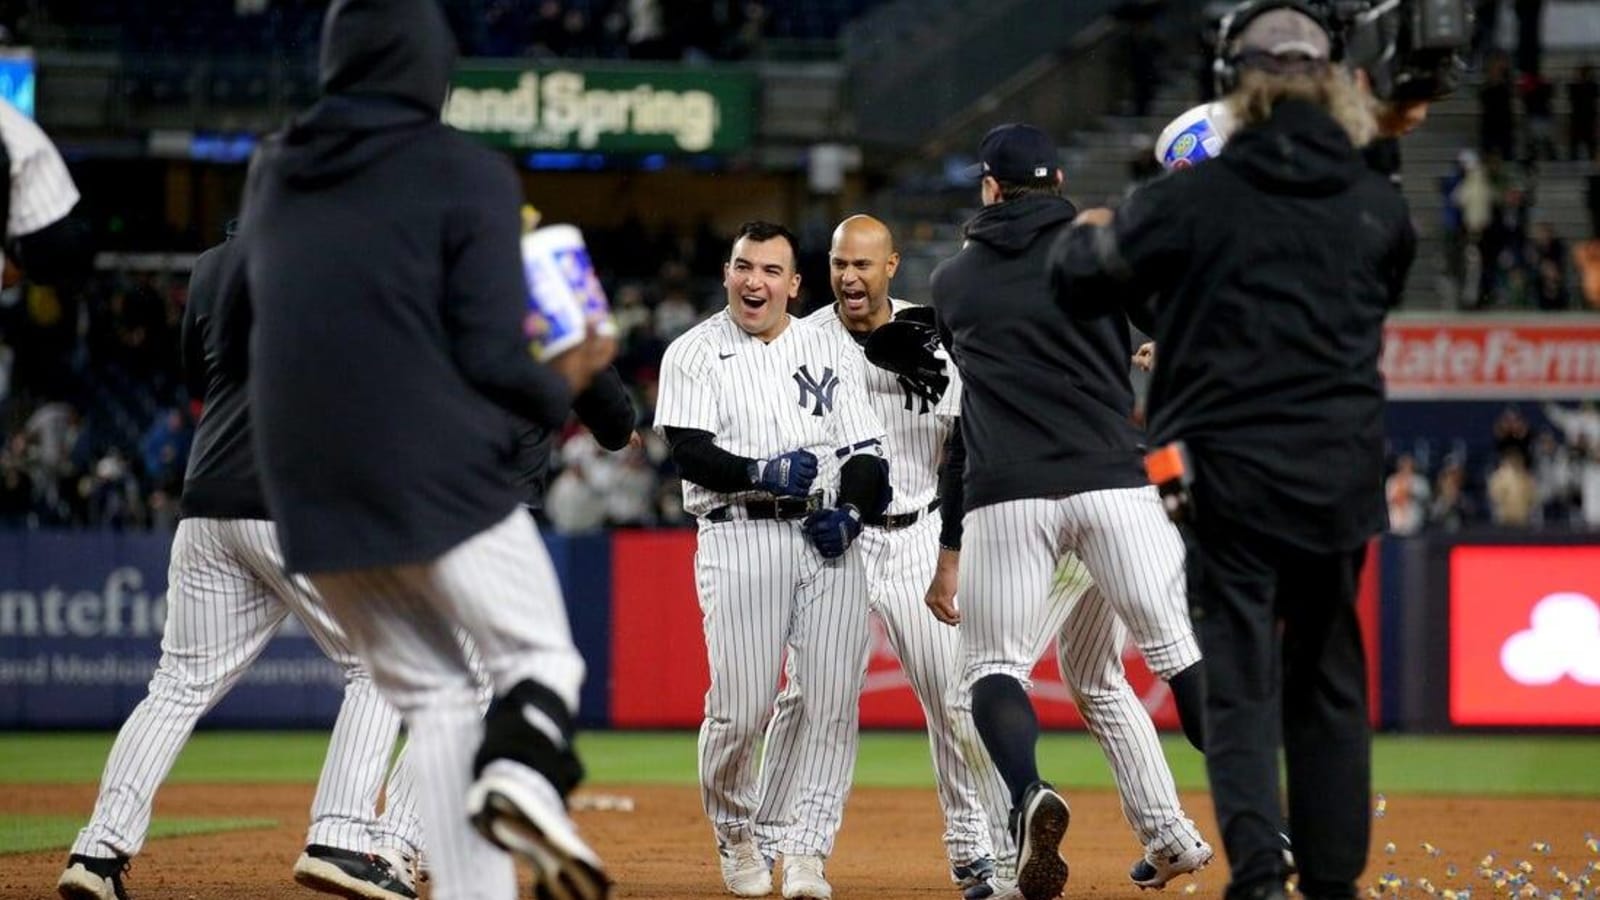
(555, 320)
(564, 245)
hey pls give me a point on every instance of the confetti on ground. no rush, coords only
(1429, 849)
(1593, 844)
(1487, 861)
(1389, 847)
(1190, 888)
(1450, 870)
(1382, 806)
(1525, 867)
(1541, 847)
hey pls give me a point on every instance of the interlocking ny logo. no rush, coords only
(914, 394)
(819, 391)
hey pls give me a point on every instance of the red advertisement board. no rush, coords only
(659, 674)
(1481, 358)
(1525, 636)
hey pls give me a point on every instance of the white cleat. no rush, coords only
(802, 877)
(745, 870)
(519, 810)
(1159, 867)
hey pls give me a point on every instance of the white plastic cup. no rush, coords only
(1195, 136)
(555, 319)
(564, 245)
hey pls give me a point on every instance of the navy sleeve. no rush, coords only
(952, 491)
(701, 461)
(606, 408)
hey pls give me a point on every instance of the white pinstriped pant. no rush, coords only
(500, 587)
(899, 565)
(763, 586)
(227, 595)
(1025, 579)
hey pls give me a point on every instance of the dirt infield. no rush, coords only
(889, 849)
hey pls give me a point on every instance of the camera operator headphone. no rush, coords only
(1225, 69)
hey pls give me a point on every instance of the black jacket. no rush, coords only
(221, 481)
(604, 407)
(387, 287)
(1046, 402)
(1272, 268)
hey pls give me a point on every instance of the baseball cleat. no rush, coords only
(802, 877)
(745, 872)
(93, 878)
(518, 810)
(346, 873)
(1040, 824)
(977, 879)
(1157, 868)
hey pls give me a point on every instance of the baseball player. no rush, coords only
(388, 295)
(781, 460)
(1052, 466)
(227, 595)
(1091, 637)
(41, 238)
(898, 549)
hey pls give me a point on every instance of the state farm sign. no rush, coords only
(1467, 357)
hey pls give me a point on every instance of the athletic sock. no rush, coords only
(1009, 729)
(1189, 692)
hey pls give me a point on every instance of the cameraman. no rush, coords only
(1272, 268)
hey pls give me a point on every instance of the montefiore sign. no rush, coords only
(611, 110)
(1467, 357)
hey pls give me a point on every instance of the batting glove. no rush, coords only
(831, 531)
(787, 475)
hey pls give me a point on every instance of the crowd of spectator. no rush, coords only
(656, 30)
(97, 423)
(1531, 478)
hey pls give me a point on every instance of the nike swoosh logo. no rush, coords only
(724, 356)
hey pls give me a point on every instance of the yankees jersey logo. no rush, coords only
(820, 391)
(914, 394)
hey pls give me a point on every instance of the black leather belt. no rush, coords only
(901, 520)
(780, 508)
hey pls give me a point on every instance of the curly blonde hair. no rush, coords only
(1330, 87)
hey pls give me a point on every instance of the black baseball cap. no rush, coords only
(1016, 153)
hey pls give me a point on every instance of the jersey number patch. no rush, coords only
(820, 391)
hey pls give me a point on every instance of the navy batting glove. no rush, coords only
(787, 475)
(832, 530)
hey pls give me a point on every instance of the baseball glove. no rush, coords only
(909, 347)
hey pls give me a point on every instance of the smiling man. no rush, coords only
(782, 461)
(900, 550)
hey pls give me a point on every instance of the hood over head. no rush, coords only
(402, 49)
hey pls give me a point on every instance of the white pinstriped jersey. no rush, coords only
(915, 430)
(802, 391)
(42, 192)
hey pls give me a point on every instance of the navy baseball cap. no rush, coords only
(1016, 153)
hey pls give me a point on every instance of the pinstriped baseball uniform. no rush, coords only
(501, 588)
(761, 584)
(227, 596)
(1089, 644)
(898, 565)
(42, 191)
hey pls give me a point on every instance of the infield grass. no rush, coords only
(21, 834)
(1466, 764)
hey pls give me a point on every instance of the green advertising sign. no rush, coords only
(605, 110)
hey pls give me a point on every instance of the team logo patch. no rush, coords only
(817, 390)
(1184, 145)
